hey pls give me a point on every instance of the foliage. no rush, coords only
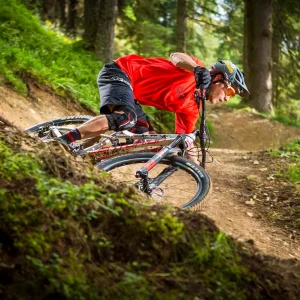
(285, 119)
(231, 32)
(29, 50)
(214, 31)
(291, 152)
(286, 86)
(147, 28)
(286, 20)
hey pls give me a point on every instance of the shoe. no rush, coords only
(75, 149)
(72, 147)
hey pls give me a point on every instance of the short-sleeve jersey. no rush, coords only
(157, 82)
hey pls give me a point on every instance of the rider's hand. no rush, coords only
(202, 78)
(192, 154)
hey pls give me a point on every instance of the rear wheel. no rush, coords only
(177, 181)
(42, 129)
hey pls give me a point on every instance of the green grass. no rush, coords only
(291, 152)
(30, 50)
(286, 120)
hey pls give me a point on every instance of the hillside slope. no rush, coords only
(68, 233)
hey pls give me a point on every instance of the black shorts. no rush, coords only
(114, 88)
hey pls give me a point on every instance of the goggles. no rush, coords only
(231, 90)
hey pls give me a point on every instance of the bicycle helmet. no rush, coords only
(232, 74)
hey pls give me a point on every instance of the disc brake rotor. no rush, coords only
(157, 194)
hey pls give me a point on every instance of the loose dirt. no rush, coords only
(237, 135)
(240, 138)
(235, 213)
(25, 112)
(242, 130)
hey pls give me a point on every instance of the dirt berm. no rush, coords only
(68, 233)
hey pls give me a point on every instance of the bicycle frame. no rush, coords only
(163, 144)
(173, 143)
(139, 143)
(144, 170)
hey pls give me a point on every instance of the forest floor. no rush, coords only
(248, 201)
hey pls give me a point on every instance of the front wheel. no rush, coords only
(177, 181)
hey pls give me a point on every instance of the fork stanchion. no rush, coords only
(143, 171)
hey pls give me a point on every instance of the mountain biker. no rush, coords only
(165, 84)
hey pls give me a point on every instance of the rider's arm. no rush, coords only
(185, 123)
(185, 61)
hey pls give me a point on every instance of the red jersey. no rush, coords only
(157, 82)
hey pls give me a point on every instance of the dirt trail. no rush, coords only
(242, 130)
(238, 132)
(238, 135)
(227, 206)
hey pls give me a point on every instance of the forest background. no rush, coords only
(260, 36)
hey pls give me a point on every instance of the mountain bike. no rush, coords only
(155, 164)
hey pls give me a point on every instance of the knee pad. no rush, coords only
(141, 127)
(122, 118)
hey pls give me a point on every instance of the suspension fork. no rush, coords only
(151, 163)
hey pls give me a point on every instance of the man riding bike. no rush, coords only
(165, 84)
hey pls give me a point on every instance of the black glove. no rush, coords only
(202, 78)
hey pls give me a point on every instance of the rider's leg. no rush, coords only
(120, 118)
(93, 127)
(115, 91)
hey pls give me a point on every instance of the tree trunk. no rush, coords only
(276, 39)
(104, 44)
(181, 26)
(48, 10)
(72, 15)
(62, 12)
(247, 26)
(260, 54)
(91, 12)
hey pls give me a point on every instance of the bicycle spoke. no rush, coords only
(177, 188)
